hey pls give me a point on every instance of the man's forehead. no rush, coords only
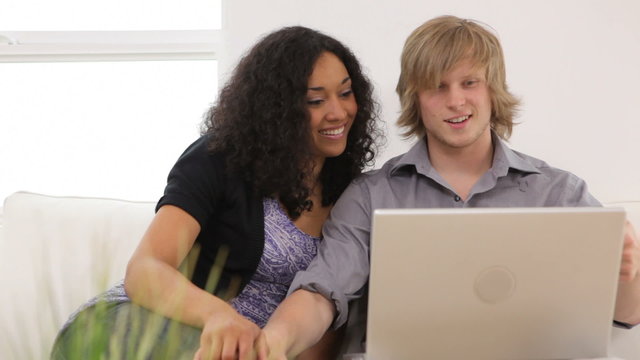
(463, 68)
(468, 64)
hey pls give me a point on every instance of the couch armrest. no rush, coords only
(58, 252)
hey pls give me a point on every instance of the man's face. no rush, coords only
(457, 113)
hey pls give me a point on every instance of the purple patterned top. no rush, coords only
(287, 250)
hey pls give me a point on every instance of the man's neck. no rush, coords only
(461, 167)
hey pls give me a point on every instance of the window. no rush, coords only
(110, 15)
(100, 98)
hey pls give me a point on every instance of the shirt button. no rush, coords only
(457, 198)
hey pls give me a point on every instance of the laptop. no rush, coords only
(493, 283)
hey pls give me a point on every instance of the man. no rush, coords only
(454, 97)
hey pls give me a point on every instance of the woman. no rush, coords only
(243, 208)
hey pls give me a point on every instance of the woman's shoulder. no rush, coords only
(199, 156)
(202, 147)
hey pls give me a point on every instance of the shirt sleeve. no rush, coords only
(195, 182)
(341, 269)
(573, 191)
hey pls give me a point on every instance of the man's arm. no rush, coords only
(298, 323)
(628, 298)
(627, 308)
(319, 296)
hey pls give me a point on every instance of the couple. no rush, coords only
(241, 220)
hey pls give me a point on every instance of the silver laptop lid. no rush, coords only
(501, 283)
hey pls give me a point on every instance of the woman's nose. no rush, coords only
(336, 110)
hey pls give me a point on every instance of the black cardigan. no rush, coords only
(230, 215)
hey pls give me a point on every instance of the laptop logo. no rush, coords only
(495, 284)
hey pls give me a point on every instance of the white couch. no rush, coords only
(56, 252)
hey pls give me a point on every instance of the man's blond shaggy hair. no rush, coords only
(436, 47)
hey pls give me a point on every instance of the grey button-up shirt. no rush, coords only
(341, 269)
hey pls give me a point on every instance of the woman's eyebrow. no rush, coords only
(320, 88)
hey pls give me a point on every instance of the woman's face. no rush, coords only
(332, 106)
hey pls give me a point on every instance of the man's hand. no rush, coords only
(630, 255)
(628, 299)
(293, 327)
(277, 346)
(229, 336)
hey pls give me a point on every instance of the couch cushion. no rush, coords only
(57, 252)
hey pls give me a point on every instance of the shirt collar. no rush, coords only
(504, 159)
(417, 157)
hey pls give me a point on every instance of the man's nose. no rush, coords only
(455, 98)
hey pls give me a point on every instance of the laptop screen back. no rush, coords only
(512, 283)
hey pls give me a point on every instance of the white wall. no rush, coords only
(574, 63)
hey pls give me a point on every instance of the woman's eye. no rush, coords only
(346, 93)
(469, 83)
(314, 102)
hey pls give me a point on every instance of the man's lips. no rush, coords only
(458, 119)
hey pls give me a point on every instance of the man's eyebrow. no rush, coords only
(320, 88)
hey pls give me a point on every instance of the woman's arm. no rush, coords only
(153, 281)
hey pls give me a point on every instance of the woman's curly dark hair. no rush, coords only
(262, 124)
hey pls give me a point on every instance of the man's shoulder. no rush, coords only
(560, 187)
(382, 173)
(547, 171)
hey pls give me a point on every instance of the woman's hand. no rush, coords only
(229, 336)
